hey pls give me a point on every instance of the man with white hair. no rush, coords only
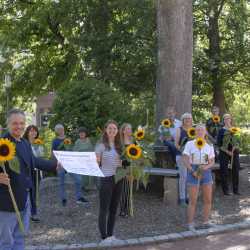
(169, 140)
(11, 238)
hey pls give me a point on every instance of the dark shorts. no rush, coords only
(206, 178)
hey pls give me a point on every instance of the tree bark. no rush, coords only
(214, 53)
(175, 50)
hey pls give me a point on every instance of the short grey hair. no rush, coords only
(186, 115)
(58, 126)
(14, 111)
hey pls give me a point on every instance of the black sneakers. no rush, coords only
(82, 200)
(35, 219)
(64, 202)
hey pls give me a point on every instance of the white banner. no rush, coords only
(83, 163)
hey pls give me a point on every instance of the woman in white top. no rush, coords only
(199, 158)
(108, 153)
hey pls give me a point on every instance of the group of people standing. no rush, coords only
(194, 163)
(184, 151)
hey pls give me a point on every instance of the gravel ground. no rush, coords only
(78, 224)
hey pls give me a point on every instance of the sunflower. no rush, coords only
(7, 150)
(67, 141)
(234, 130)
(98, 129)
(166, 123)
(191, 133)
(134, 152)
(38, 141)
(200, 143)
(216, 118)
(139, 134)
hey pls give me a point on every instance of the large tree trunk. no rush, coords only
(175, 50)
(214, 11)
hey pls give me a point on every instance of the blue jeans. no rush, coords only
(172, 149)
(77, 181)
(183, 194)
(206, 178)
(11, 238)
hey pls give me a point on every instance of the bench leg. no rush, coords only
(170, 193)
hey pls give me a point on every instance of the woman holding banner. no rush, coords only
(108, 153)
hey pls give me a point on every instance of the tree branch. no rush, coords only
(220, 7)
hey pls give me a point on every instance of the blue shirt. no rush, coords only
(56, 143)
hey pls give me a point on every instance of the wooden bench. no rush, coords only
(170, 183)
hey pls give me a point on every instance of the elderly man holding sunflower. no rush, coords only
(167, 131)
(15, 183)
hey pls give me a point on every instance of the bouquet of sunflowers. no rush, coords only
(231, 136)
(8, 159)
(164, 128)
(213, 125)
(138, 155)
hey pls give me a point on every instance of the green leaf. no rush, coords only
(15, 165)
(121, 173)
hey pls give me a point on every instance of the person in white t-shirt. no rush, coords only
(167, 135)
(198, 157)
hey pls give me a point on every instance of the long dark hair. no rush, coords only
(105, 139)
(26, 133)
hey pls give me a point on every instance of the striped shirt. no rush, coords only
(110, 159)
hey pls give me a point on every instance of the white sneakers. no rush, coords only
(191, 227)
(109, 240)
(205, 225)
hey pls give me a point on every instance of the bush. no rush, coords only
(91, 103)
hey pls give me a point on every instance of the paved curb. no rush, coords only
(148, 240)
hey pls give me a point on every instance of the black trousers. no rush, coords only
(224, 160)
(109, 195)
(33, 191)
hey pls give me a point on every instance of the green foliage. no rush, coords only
(245, 142)
(47, 136)
(14, 165)
(228, 61)
(55, 42)
(90, 103)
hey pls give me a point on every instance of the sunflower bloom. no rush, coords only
(134, 152)
(200, 143)
(216, 118)
(38, 141)
(7, 150)
(67, 141)
(139, 134)
(166, 123)
(191, 133)
(234, 130)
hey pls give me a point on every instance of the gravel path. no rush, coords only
(78, 224)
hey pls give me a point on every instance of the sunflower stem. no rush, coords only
(18, 215)
(131, 192)
(37, 188)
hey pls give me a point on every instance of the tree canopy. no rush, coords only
(54, 43)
